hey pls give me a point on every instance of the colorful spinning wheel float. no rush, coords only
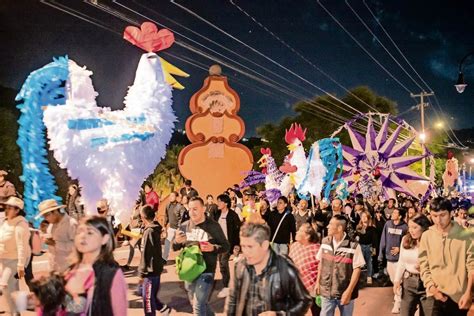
(378, 163)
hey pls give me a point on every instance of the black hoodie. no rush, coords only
(151, 262)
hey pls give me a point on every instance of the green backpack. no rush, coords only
(190, 263)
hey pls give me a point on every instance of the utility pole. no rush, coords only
(421, 107)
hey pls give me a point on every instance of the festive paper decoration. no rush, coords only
(377, 162)
(214, 160)
(45, 86)
(111, 152)
(451, 174)
(148, 38)
(320, 171)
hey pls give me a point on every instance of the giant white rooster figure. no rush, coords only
(317, 172)
(109, 152)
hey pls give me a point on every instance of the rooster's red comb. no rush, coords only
(265, 151)
(148, 38)
(450, 154)
(295, 132)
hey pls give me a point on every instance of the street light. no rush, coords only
(461, 84)
(439, 125)
(422, 137)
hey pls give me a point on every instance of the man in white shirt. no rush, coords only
(339, 270)
(62, 229)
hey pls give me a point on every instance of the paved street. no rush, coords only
(371, 301)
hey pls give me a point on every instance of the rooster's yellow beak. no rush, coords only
(169, 70)
(291, 147)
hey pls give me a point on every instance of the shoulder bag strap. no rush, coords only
(278, 227)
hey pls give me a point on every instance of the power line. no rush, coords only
(308, 101)
(362, 47)
(394, 44)
(298, 53)
(414, 70)
(254, 50)
(380, 42)
(215, 52)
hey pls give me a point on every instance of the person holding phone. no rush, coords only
(207, 233)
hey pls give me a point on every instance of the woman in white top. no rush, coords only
(15, 251)
(407, 275)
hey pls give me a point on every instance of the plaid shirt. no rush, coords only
(305, 260)
(255, 303)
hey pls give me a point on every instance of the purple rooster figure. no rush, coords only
(276, 182)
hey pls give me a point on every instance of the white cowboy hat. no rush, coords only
(48, 206)
(15, 202)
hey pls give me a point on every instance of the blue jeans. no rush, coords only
(328, 307)
(151, 302)
(170, 232)
(198, 293)
(367, 253)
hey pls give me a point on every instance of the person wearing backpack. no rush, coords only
(264, 283)
(207, 234)
(283, 227)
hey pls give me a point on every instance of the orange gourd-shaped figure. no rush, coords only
(214, 161)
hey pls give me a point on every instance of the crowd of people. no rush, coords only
(289, 256)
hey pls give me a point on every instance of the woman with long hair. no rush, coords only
(367, 237)
(73, 202)
(303, 253)
(407, 275)
(264, 209)
(15, 251)
(95, 276)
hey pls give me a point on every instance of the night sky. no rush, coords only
(433, 35)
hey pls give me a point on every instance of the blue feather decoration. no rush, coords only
(43, 87)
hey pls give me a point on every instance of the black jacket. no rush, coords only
(284, 292)
(209, 231)
(151, 262)
(233, 227)
(174, 214)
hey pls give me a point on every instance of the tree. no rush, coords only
(166, 178)
(316, 121)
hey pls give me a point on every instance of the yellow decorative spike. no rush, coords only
(169, 70)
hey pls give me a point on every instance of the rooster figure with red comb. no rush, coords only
(109, 152)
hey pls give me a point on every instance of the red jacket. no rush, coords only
(153, 199)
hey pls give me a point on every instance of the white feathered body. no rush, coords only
(298, 159)
(112, 152)
(315, 172)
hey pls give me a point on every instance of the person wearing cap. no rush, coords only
(74, 206)
(62, 228)
(15, 250)
(103, 210)
(251, 210)
(7, 189)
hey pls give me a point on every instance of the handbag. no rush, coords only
(190, 263)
